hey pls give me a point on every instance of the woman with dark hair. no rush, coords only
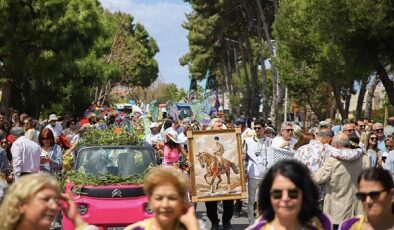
(371, 148)
(376, 193)
(288, 199)
(51, 153)
(71, 130)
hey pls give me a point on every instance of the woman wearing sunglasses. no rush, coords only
(371, 148)
(376, 193)
(288, 199)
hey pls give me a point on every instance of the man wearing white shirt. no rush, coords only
(25, 154)
(256, 151)
(54, 126)
(154, 137)
(285, 138)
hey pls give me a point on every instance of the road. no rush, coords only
(237, 223)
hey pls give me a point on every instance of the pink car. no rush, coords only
(111, 207)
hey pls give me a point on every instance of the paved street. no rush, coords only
(237, 223)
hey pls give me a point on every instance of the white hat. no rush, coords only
(52, 117)
(137, 109)
(173, 135)
(154, 125)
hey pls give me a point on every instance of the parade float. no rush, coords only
(106, 178)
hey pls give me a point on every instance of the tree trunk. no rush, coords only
(360, 99)
(347, 101)
(252, 64)
(338, 101)
(228, 57)
(6, 96)
(276, 89)
(247, 82)
(254, 100)
(276, 7)
(387, 83)
(319, 115)
(264, 92)
(224, 73)
(370, 95)
(333, 110)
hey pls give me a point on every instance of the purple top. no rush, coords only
(320, 223)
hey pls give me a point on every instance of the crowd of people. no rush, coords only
(329, 176)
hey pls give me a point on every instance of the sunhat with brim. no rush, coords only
(154, 125)
(52, 117)
(137, 109)
(173, 136)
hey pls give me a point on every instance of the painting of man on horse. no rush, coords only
(216, 158)
(215, 167)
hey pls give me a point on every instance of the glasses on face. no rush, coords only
(289, 130)
(361, 126)
(374, 195)
(257, 128)
(45, 139)
(291, 193)
(389, 146)
(378, 130)
(49, 199)
(373, 138)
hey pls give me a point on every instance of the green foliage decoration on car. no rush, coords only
(80, 179)
(111, 136)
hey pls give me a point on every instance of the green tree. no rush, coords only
(347, 43)
(37, 39)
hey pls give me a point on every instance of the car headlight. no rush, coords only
(82, 209)
(147, 208)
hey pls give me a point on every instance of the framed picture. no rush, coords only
(217, 171)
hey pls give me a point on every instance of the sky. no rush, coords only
(162, 19)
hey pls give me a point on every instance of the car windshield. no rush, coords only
(119, 161)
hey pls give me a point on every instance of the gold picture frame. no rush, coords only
(216, 159)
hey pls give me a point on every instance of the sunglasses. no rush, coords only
(373, 138)
(257, 128)
(374, 195)
(278, 193)
(289, 130)
(361, 126)
(349, 130)
(378, 130)
(389, 146)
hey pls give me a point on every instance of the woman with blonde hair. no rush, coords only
(167, 190)
(33, 202)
